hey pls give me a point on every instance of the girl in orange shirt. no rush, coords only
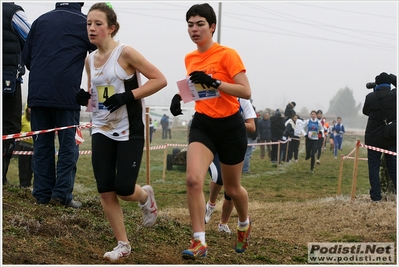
(217, 126)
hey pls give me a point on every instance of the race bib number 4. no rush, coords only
(103, 93)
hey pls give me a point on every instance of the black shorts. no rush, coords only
(116, 164)
(225, 136)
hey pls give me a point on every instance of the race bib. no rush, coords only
(313, 135)
(103, 93)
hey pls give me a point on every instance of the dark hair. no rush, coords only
(319, 112)
(109, 13)
(202, 10)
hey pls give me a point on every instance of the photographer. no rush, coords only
(380, 107)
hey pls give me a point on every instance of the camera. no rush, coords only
(370, 85)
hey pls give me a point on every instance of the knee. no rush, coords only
(226, 196)
(107, 197)
(193, 182)
(231, 193)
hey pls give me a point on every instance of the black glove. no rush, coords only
(175, 107)
(118, 100)
(82, 97)
(203, 78)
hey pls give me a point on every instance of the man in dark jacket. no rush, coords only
(55, 51)
(265, 134)
(380, 105)
(277, 130)
(15, 29)
(289, 110)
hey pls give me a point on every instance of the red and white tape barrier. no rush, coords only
(19, 135)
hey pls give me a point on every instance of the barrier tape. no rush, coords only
(83, 152)
(19, 135)
(23, 138)
(377, 149)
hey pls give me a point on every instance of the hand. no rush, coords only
(203, 78)
(117, 100)
(175, 107)
(82, 97)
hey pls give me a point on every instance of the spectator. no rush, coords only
(289, 110)
(156, 124)
(293, 144)
(265, 135)
(25, 161)
(15, 30)
(297, 134)
(378, 106)
(277, 128)
(51, 97)
(217, 126)
(312, 127)
(339, 130)
(152, 130)
(118, 135)
(164, 125)
(252, 135)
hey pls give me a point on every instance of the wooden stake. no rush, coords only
(341, 167)
(164, 162)
(355, 169)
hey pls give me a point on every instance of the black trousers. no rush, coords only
(311, 148)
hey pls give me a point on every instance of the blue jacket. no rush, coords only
(54, 53)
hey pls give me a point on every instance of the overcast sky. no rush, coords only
(293, 51)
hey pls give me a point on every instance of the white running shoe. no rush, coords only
(122, 250)
(224, 228)
(149, 209)
(208, 212)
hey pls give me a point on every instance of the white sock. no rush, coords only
(243, 225)
(212, 205)
(200, 236)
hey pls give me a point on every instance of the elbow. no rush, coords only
(163, 82)
(247, 96)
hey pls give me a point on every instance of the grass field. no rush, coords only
(289, 208)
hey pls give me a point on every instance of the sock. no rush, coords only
(211, 204)
(243, 225)
(200, 236)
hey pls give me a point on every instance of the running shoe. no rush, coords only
(208, 212)
(122, 250)
(243, 237)
(223, 227)
(196, 250)
(149, 209)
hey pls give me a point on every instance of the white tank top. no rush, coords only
(128, 120)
